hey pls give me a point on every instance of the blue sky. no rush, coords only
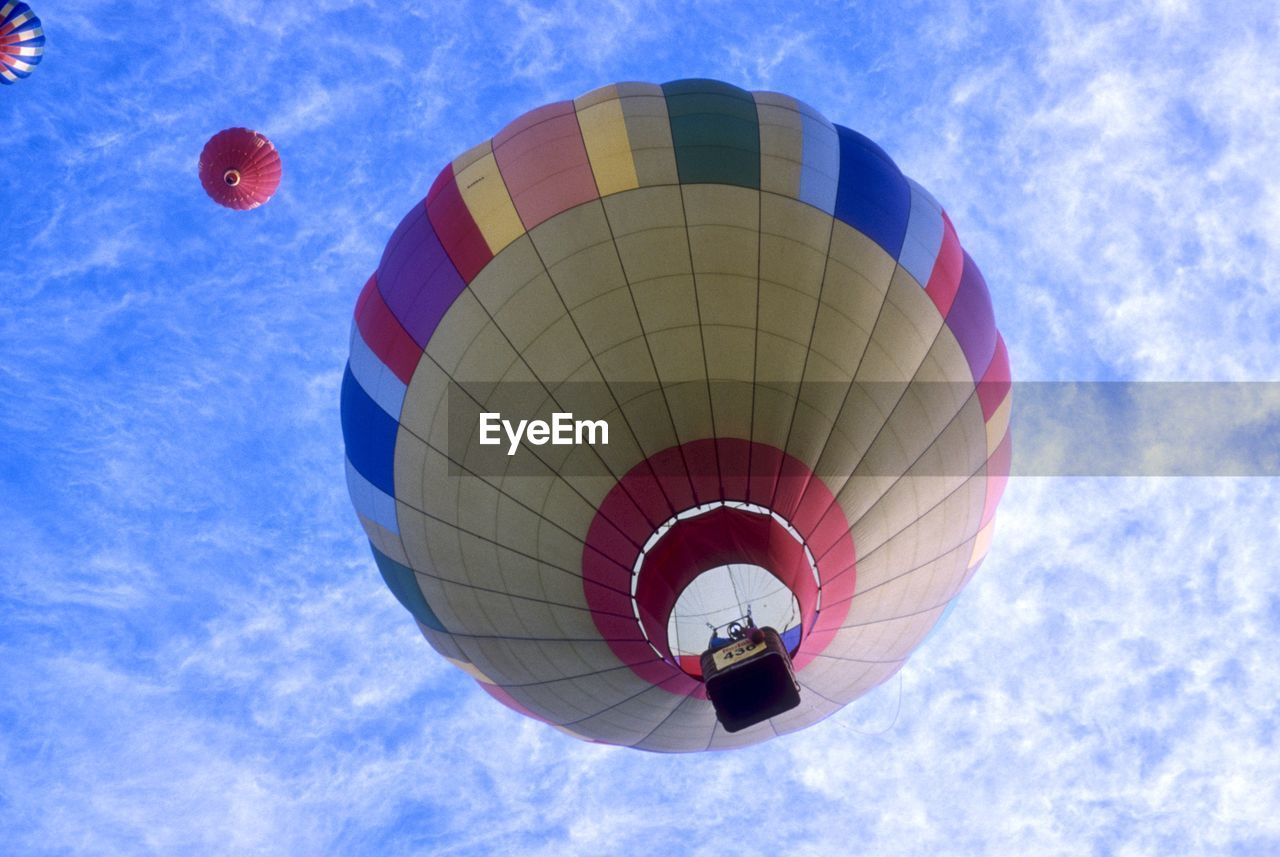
(197, 654)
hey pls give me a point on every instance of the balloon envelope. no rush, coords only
(240, 168)
(807, 397)
(21, 41)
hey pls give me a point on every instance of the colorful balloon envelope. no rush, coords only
(240, 168)
(21, 41)
(805, 394)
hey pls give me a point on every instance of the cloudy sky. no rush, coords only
(197, 654)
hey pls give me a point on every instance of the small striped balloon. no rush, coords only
(21, 41)
(240, 168)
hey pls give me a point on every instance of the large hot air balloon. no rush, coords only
(239, 168)
(805, 397)
(21, 41)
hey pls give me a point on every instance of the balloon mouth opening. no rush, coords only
(231, 177)
(716, 562)
(728, 602)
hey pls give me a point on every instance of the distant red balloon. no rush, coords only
(239, 168)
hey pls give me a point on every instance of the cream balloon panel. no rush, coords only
(690, 723)
(502, 521)
(674, 285)
(842, 681)
(860, 641)
(492, 351)
(894, 611)
(500, 331)
(838, 342)
(576, 687)
(632, 722)
(882, 625)
(882, 529)
(894, 595)
(885, 545)
(587, 701)
(875, 499)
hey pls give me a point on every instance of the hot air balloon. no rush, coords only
(239, 168)
(805, 394)
(21, 41)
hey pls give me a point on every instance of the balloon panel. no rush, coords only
(239, 168)
(21, 41)
(766, 311)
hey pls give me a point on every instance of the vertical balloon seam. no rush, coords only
(955, 416)
(409, 505)
(604, 134)
(692, 108)
(958, 489)
(522, 125)
(629, 286)
(848, 212)
(990, 505)
(570, 314)
(666, 146)
(906, 471)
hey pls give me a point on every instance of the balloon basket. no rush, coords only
(750, 679)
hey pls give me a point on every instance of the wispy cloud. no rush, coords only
(198, 654)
